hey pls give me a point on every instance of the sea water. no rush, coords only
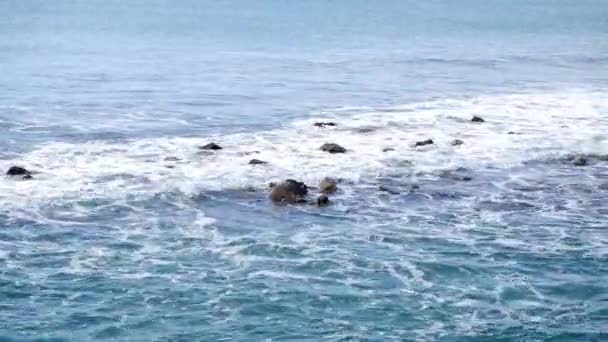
(128, 231)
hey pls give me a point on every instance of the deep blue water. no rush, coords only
(129, 232)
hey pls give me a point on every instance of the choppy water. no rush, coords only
(128, 231)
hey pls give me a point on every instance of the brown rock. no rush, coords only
(328, 186)
(289, 191)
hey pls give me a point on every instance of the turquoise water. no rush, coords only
(129, 232)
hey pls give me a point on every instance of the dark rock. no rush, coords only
(511, 133)
(389, 190)
(424, 142)
(388, 149)
(322, 200)
(17, 171)
(328, 186)
(171, 158)
(579, 160)
(272, 185)
(27, 177)
(211, 146)
(323, 124)
(477, 119)
(289, 191)
(332, 148)
(456, 142)
(257, 162)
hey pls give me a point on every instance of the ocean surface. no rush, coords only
(128, 231)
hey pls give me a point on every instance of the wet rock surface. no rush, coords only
(257, 162)
(332, 148)
(424, 143)
(322, 200)
(289, 191)
(324, 124)
(328, 185)
(211, 146)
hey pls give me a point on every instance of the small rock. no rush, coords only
(456, 142)
(211, 146)
(171, 158)
(323, 124)
(289, 191)
(257, 162)
(27, 177)
(272, 185)
(477, 119)
(579, 160)
(511, 133)
(322, 200)
(388, 149)
(424, 142)
(17, 171)
(332, 148)
(389, 190)
(328, 186)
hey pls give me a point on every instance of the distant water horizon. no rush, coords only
(128, 230)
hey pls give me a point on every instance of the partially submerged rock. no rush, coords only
(172, 158)
(322, 200)
(18, 171)
(391, 191)
(424, 142)
(388, 149)
(211, 146)
(579, 160)
(456, 142)
(324, 124)
(328, 186)
(289, 191)
(583, 159)
(332, 148)
(257, 162)
(477, 119)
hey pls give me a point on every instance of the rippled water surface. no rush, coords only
(129, 231)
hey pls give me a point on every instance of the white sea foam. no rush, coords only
(545, 124)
